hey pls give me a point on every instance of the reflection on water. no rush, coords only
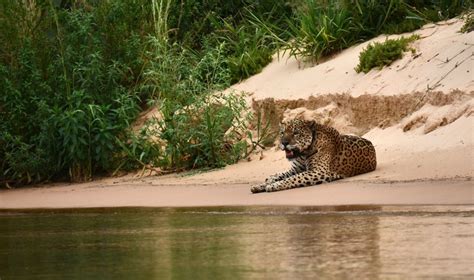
(239, 242)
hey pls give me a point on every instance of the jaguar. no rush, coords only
(318, 154)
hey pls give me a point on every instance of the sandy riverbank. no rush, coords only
(151, 194)
(410, 177)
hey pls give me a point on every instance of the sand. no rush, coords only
(443, 62)
(153, 194)
(425, 155)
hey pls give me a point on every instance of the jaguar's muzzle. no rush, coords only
(290, 151)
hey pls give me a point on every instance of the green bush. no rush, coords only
(207, 133)
(198, 128)
(382, 54)
(68, 89)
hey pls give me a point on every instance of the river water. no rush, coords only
(346, 242)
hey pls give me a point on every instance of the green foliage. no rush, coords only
(198, 128)
(323, 27)
(248, 46)
(142, 150)
(68, 89)
(247, 50)
(193, 20)
(382, 54)
(205, 134)
(377, 17)
(264, 135)
(320, 31)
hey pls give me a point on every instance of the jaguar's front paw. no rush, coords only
(271, 179)
(273, 187)
(258, 188)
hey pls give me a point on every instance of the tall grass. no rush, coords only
(323, 27)
(161, 11)
(321, 31)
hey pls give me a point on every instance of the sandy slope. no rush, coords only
(439, 50)
(426, 157)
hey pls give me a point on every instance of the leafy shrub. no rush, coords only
(382, 54)
(142, 150)
(198, 127)
(68, 88)
(207, 133)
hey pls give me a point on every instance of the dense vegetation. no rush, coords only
(383, 54)
(74, 75)
(320, 28)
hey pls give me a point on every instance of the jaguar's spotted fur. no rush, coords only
(318, 154)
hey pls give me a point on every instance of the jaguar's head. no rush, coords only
(296, 137)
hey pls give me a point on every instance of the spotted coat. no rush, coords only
(318, 154)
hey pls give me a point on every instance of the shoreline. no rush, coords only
(425, 155)
(148, 193)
